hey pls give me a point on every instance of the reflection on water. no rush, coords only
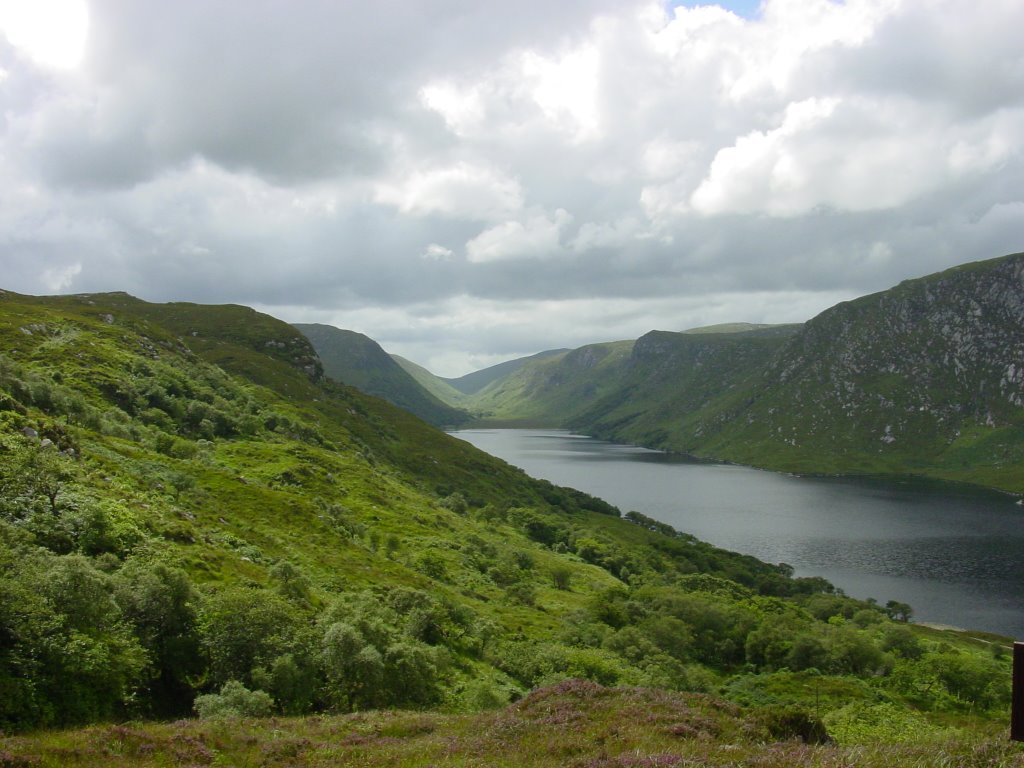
(955, 553)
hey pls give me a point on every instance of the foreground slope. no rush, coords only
(574, 723)
(192, 515)
(359, 361)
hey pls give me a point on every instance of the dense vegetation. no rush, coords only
(194, 520)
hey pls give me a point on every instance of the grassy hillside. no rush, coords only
(546, 391)
(925, 378)
(359, 361)
(435, 385)
(682, 383)
(473, 382)
(194, 519)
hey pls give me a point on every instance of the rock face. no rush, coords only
(930, 357)
(925, 377)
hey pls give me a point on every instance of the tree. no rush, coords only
(291, 680)
(354, 668)
(899, 611)
(561, 577)
(82, 659)
(246, 628)
(162, 605)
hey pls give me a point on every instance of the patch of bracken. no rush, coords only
(636, 761)
(190, 750)
(8, 760)
(285, 749)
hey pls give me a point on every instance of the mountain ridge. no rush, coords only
(358, 360)
(926, 377)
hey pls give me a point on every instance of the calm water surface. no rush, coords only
(956, 554)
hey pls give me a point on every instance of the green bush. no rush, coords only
(234, 700)
(785, 723)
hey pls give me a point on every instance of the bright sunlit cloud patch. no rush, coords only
(50, 32)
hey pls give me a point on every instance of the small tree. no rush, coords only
(899, 611)
(561, 577)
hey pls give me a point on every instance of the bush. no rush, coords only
(234, 700)
(784, 723)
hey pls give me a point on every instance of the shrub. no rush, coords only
(784, 723)
(234, 700)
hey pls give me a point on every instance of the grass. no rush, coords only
(575, 723)
(231, 457)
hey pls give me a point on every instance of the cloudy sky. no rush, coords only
(468, 181)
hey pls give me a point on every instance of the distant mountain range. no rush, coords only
(359, 361)
(472, 383)
(924, 378)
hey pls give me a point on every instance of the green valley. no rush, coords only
(195, 520)
(926, 379)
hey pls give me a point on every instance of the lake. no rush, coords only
(954, 553)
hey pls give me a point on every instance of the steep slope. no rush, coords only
(926, 378)
(359, 361)
(473, 382)
(545, 391)
(435, 385)
(676, 387)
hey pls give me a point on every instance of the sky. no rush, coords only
(470, 181)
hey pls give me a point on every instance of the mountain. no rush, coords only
(359, 361)
(435, 385)
(194, 518)
(473, 382)
(730, 328)
(673, 381)
(924, 378)
(546, 390)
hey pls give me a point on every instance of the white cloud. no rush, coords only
(437, 252)
(765, 170)
(565, 88)
(463, 190)
(61, 278)
(462, 109)
(51, 32)
(535, 237)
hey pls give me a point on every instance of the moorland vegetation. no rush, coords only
(195, 521)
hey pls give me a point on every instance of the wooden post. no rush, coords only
(1017, 710)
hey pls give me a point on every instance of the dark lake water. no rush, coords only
(954, 553)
